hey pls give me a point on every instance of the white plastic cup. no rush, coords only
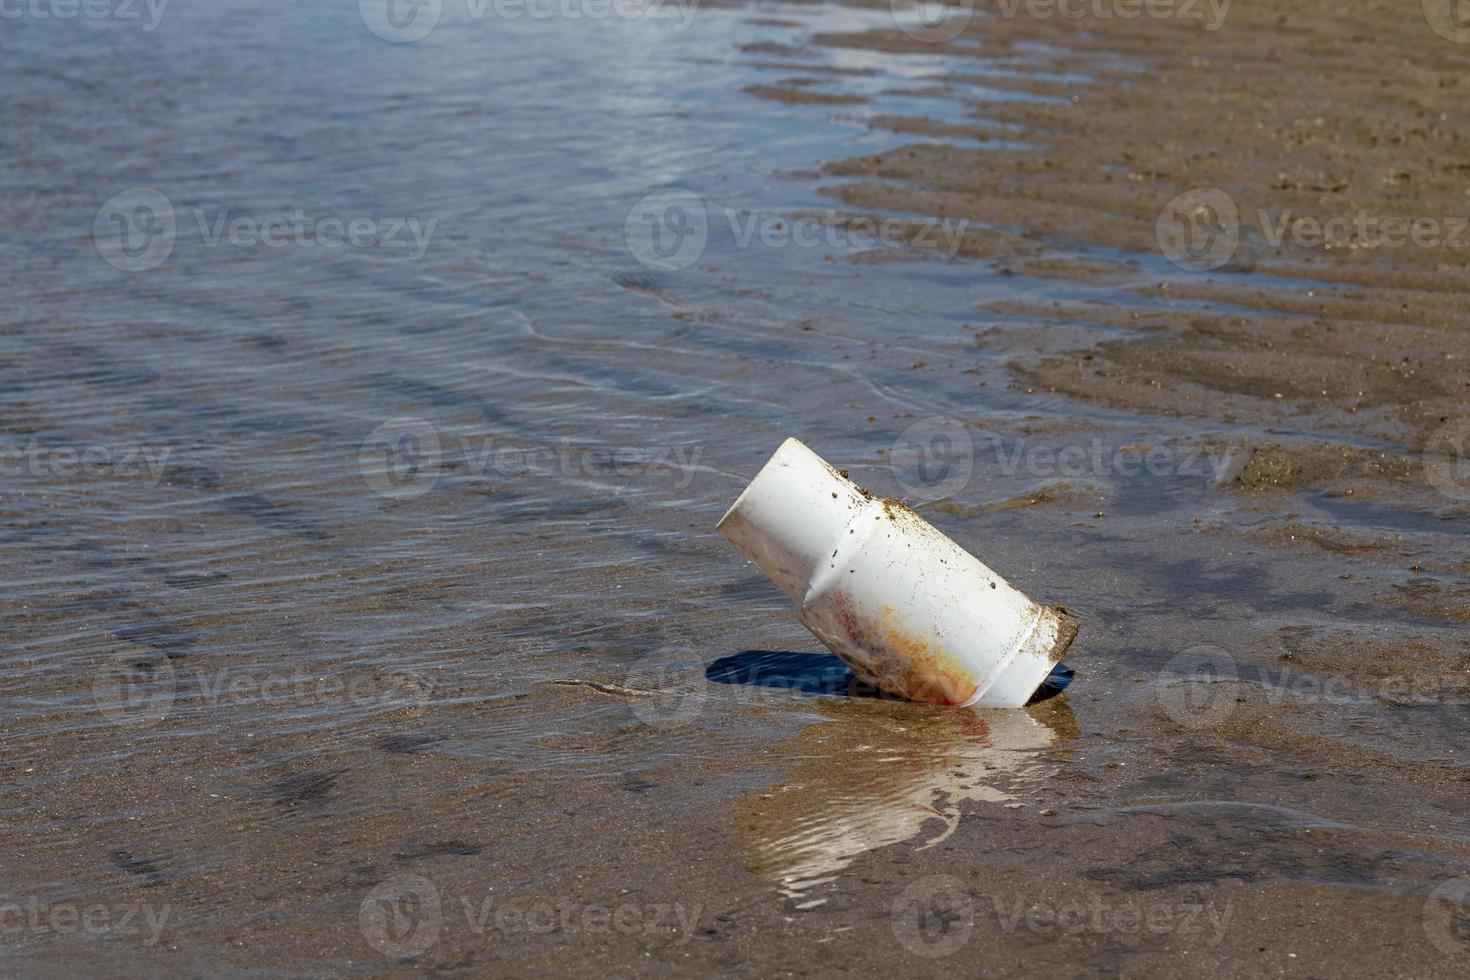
(910, 611)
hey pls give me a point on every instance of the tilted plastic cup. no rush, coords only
(906, 608)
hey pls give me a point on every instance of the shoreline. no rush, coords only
(1225, 112)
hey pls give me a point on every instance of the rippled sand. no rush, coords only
(362, 612)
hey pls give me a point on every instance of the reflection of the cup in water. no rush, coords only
(880, 774)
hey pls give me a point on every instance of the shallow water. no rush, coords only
(335, 565)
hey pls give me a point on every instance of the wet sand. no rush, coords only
(1322, 112)
(291, 720)
(1336, 375)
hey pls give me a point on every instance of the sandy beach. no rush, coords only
(364, 614)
